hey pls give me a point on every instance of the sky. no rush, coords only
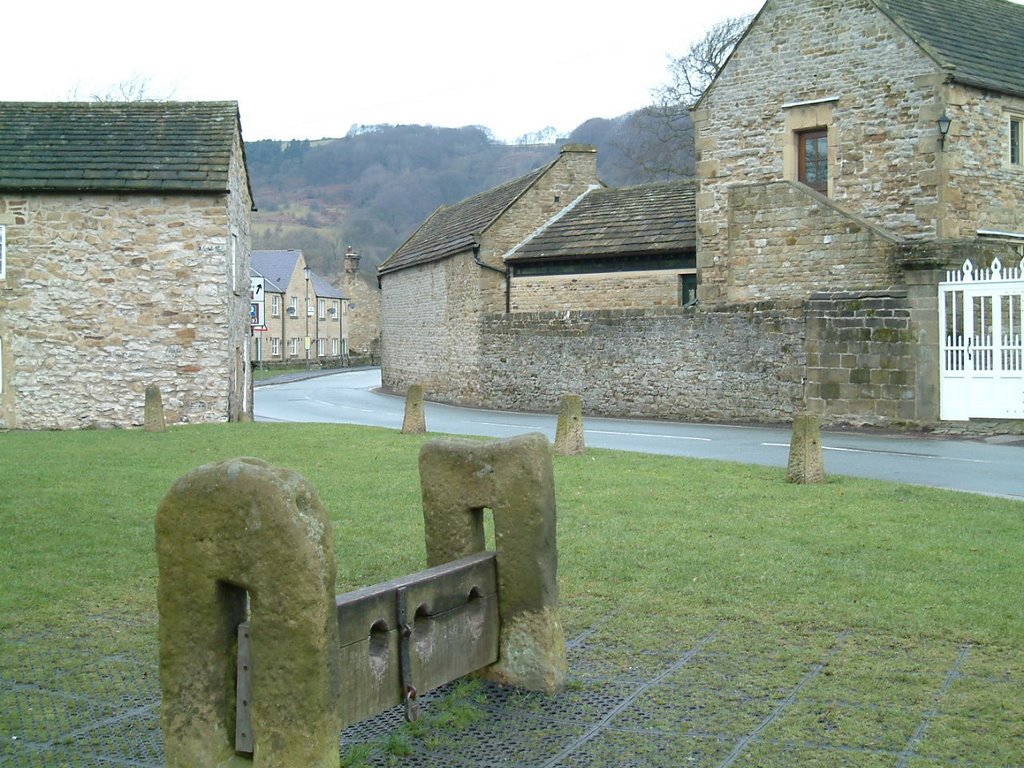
(310, 70)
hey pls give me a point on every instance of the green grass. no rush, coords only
(668, 548)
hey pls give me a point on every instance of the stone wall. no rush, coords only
(106, 294)
(862, 359)
(611, 290)
(787, 241)
(431, 336)
(741, 363)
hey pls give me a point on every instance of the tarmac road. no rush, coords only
(992, 466)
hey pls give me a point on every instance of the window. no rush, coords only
(293, 308)
(687, 290)
(334, 347)
(3, 251)
(275, 305)
(334, 308)
(1016, 143)
(275, 346)
(321, 308)
(234, 262)
(293, 346)
(321, 347)
(813, 159)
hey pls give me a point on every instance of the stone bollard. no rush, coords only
(415, 419)
(513, 478)
(229, 535)
(806, 463)
(569, 432)
(153, 420)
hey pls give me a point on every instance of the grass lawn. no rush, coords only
(655, 552)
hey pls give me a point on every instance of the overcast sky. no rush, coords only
(305, 69)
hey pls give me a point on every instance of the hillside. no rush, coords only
(372, 188)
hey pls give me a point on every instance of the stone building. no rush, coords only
(863, 151)
(856, 230)
(449, 273)
(124, 262)
(305, 318)
(624, 248)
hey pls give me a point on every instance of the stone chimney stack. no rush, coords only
(351, 262)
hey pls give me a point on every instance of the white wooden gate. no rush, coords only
(980, 324)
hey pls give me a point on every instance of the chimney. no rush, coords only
(351, 262)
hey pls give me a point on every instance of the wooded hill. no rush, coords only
(372, 188)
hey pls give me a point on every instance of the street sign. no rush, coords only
(257, 315)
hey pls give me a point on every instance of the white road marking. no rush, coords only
(887, 453)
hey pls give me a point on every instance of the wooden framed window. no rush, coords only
(813, 159)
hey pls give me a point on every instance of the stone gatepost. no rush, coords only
(153, 419)
(515, 480)
(806, 462)
(569, 432)
(228, 534)
(415, 422)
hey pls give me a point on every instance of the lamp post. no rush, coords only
(306, 271)
(944, 123)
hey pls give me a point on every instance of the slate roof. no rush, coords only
(984, 39)
(277, 268)
(456, 228)
(116, 146)
(647, 219)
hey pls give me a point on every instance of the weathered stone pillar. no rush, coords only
(569, 432)
(229, 533)
(806, 463)
(515, 480)
(415, 422)
(153, 419)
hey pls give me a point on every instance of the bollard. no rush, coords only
(153, 420)
(806, 462)
(415, 420)
(569, 432)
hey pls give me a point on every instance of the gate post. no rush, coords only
(515, 480)
(229, 533)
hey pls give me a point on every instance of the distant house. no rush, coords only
(305, 316)
(124, 262)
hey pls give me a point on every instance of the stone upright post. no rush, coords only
(806, 463)
(415, 422)
(153, 419)
(569, 432)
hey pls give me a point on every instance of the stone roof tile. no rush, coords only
(457, 228)
(982, 39)
(116, 146)
(646, 219)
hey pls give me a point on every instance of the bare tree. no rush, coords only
(662, 145)
(135, 88)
